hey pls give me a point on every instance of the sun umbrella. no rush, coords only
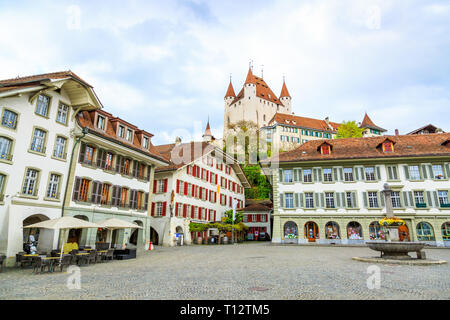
(114, 223)
(65, 222)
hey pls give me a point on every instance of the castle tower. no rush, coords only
(250, 85)
(207, 136)
(285, 98)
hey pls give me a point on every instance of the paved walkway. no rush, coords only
(243, 271)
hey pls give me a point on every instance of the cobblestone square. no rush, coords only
(244, 271)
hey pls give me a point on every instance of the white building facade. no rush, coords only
(36, 138)
(199, 189)
(330, 191)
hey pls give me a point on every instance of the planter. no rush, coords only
(445, 205)
(421, 205)
(199, 240)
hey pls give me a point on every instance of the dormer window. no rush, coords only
(325, 149)
(121, 131)
(145, 143)
(388, 146)
(129, 135)
(101, 122)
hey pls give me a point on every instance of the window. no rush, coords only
(414, 172)
(419, 198)
(123, 198)
(161, 185)
(159, 208)
(60, 147)
(288, 177)
(108, 161)
(325, 149)
(2, 185)
(63, 111)
(53, 186)
(327, 175)
(140, 202)
(38, 143)
(5, 148)
(438, 172)
(84, 190)
(129, 135)
(9, 119)
(105, 193)
(392, 173)
(307, 175)
(425, 232)
(88, 155)
(387, 146)
(309, 200)
(329, 199)
(373, 199)
(289, 200)
(370, 173)
(443, 197)
(29, 185)
(395, 197)
(348, 174)
(350, 198)
(121, 131)
(145, 144)
(43, 104)
(101, 122)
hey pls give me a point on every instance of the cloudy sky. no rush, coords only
(165, 65)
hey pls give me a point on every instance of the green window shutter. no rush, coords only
(335, 174)
(378, 171)
(394, 172)
(424, 171)
(430, 170)
(436, 199)
(341, 174)
(301, 202)
(363, 175)
(338, 200)
(319, 173)
(316, 200)
(315, 175)
(389, 172)
(281, 175)
(281, 201)
(365, 199)
(354, 200)
(322, 200)
(447, 166)
(406, 172)
(381, 197)
(356, 171)
(405, 199)
(429, 199)
(411, 199)
(295, 200)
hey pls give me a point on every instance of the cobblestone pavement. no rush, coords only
(243, 271)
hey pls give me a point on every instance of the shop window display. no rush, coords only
(290, 230)
(354, 231)
(332, 230)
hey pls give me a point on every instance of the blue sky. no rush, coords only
(165, 65)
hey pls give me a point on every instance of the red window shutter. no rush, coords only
(154, 186)
(176, 209)
(178, 185)
(214, 215)
(153, 209)
(192, 211)
(249, 218)
(185, 188)
(184, 210)
(164, 208)
(193, 191)
(188, 170)
(258, 218)
(207, 175)
(165, 185)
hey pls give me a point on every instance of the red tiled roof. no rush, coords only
(303, 122)
(284, 91)
(368, 123)
(255, 207)
(86, 120)
(230, 91)
(19, 81)
(262, 89)
(175, 153)
(366, 148)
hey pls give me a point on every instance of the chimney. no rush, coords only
(396, 132)
(177, 141)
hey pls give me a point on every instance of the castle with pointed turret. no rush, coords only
(255, 103)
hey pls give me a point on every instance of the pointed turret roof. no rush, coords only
(284, 91)
(230, 91)
(250, 77)
(207, 130)
(368, 123)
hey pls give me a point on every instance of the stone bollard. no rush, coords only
(421, 255)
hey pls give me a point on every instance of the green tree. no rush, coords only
(229, 217)
(261, 188)
(349, 129)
